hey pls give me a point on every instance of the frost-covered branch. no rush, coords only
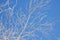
(21, 22)
(7, 2)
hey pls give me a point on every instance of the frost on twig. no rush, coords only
(26, 27)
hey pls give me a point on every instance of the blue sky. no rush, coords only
(21, 10)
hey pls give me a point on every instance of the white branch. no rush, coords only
(7, 2)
